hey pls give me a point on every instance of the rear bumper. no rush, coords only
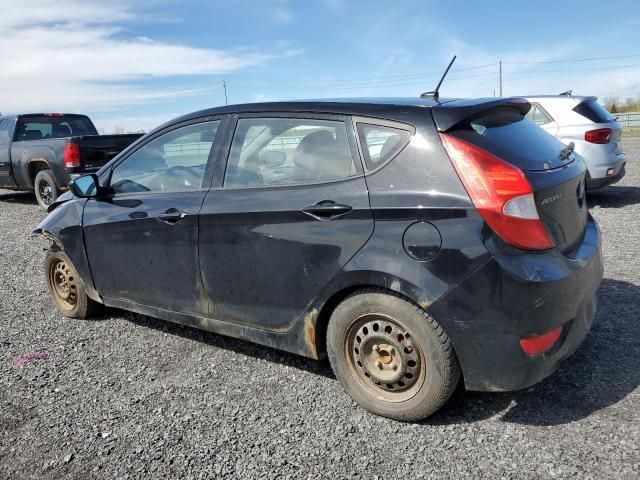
(596, 183)
(517, 295)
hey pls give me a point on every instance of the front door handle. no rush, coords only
(326, 210)
(172, 216)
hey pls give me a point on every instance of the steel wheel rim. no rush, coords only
(46, 192)
(63, 284)
(384, 358)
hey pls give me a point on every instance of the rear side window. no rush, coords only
(38, 127)
(595, 112)
(381, 143)
(509, 136)
(281, 151)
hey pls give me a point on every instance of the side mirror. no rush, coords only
(87, 186)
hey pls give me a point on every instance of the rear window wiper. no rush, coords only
(567, 151)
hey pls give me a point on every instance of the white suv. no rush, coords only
(594, 131)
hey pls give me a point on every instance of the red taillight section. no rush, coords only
(600, 135)
(71, 155)
(534, 345)
(501, 193)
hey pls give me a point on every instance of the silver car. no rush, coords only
(594, 131)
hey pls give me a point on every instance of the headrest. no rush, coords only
(312, 148)
(32, 135)
(60, 131)
(389, 144)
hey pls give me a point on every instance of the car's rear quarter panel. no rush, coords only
(420, 185)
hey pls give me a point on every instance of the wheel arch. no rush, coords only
(34, 166)
(350, 283)
(63, 229)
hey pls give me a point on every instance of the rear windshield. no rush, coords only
(38, 127)
(508, 135)
(594, 112)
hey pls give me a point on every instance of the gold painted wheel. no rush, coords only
(64, 284)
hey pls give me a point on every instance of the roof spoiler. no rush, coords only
(448, 115)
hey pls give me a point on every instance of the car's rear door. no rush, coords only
(284, 216)
(141, 238)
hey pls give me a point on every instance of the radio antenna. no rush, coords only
(435, 93)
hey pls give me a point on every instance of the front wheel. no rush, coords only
(45, 188)
(390, 356)
(66, 287)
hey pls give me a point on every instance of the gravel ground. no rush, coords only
(128, 396)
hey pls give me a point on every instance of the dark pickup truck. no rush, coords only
(42, 152)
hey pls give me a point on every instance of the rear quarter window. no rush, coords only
(595, 112)
(538, 115)
(381, 143)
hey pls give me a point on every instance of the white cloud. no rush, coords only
(71, 54)
(261, 97)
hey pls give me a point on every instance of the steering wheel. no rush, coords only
(180, 178)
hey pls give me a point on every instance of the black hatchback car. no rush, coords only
(413, 241)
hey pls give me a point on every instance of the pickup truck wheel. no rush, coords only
(45, 188)
(390, 356)
(66, 287)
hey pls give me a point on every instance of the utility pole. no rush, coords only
(224, 85)
(500, 70)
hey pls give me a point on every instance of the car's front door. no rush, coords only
(290, 210)
(141, 238)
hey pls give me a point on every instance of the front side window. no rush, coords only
(172, 162)
(380, 143)
(280, 151)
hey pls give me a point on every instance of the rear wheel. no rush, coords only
(390, 356)
(66, 287)
(45, 188)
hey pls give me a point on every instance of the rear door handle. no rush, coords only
(326, 210)
(172, 216)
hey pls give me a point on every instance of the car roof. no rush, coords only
(364, 106)
(328, 105)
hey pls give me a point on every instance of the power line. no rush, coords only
(575, 60)
(590, 69)
(355, 82)
(398, 80)
(388, 77)
(371, 83)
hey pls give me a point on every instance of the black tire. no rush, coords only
(66, 287)
(45, 188)
(375, 337)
